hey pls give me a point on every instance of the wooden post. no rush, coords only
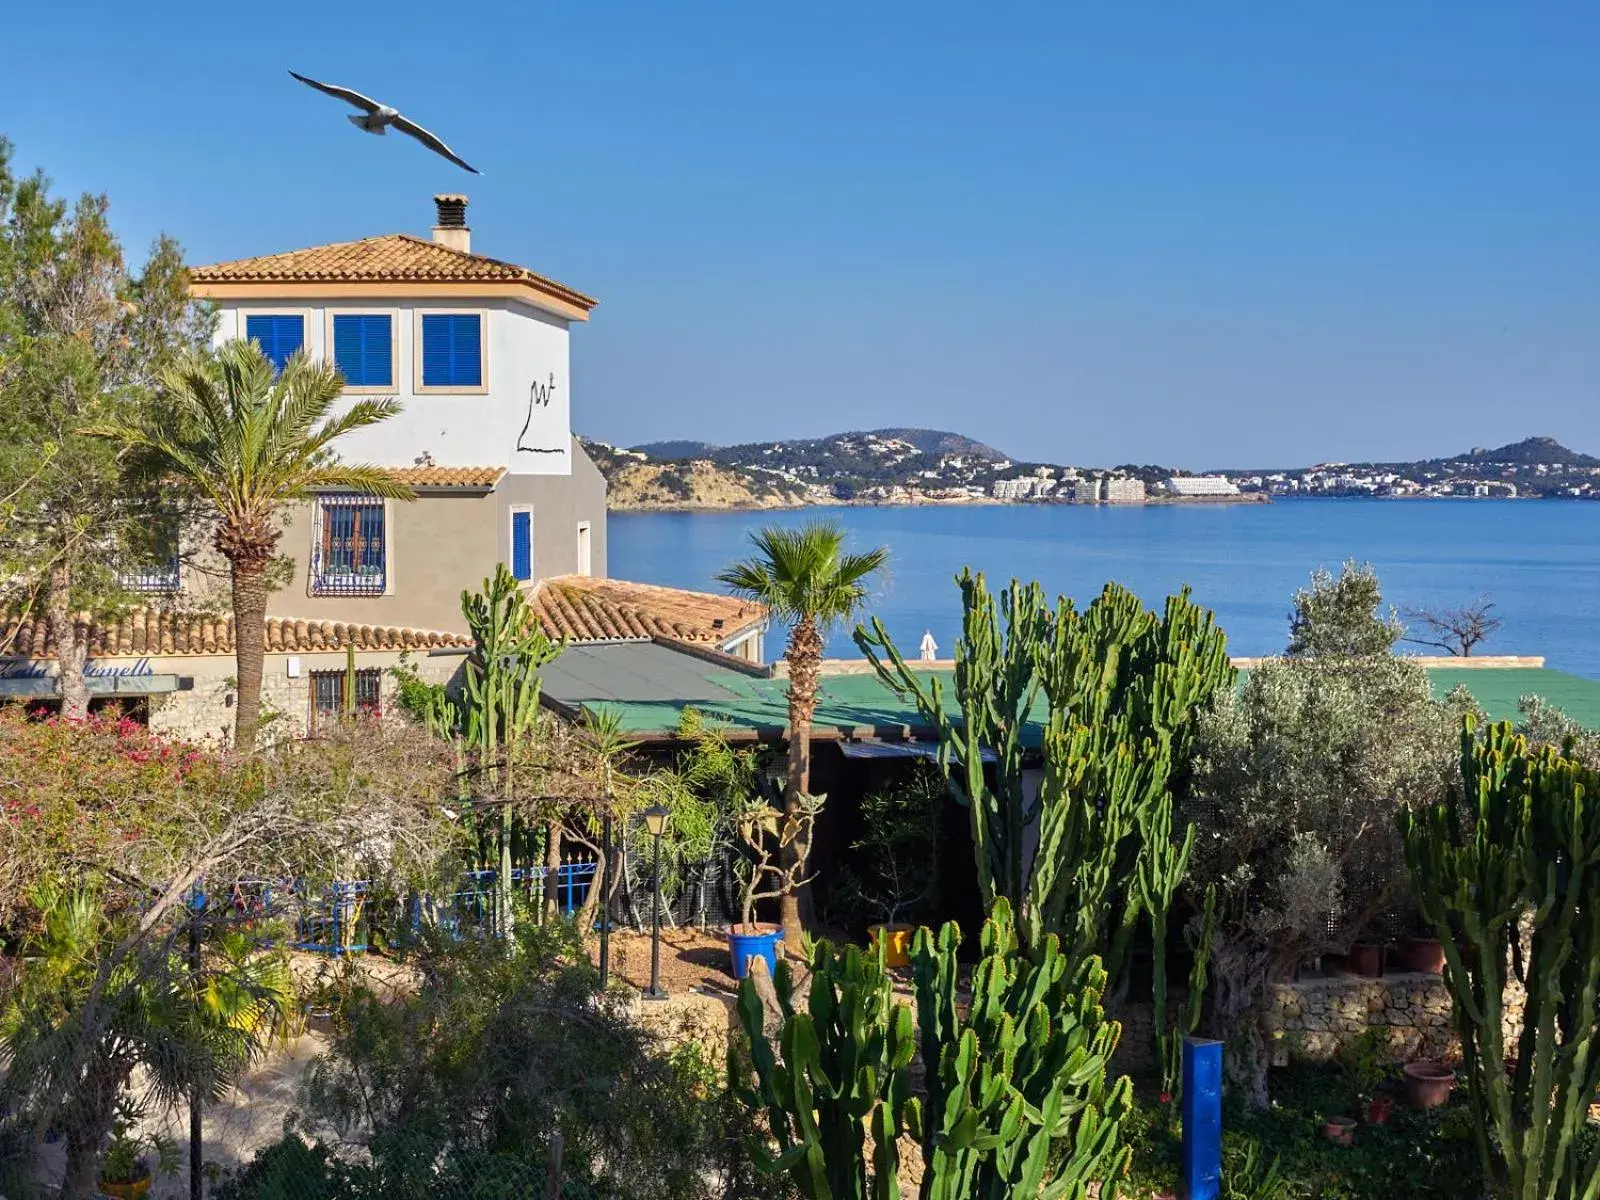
(552, 1166)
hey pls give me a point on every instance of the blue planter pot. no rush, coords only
(754, 941)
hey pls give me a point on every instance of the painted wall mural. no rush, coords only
(539, 396)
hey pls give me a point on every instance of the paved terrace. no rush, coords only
(649, 684)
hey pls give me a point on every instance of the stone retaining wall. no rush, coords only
(1312, 1017)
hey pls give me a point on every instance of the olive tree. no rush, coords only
(1296, 784)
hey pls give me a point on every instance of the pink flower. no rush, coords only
(1165, 1097)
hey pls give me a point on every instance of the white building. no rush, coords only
(1088, 491)
(1122, 489)
(1201, 485)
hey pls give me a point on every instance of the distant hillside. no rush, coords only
(1530, 451)
(938, 441)
(636, 481)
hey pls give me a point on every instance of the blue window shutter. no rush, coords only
(452, 350)
(279, 335)
(522, 545)
(362, 348)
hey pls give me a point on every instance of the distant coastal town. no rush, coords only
(924, 466)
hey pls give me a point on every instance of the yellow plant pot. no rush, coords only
(125, 1191)
(896, 942)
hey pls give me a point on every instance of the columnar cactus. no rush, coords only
(1507, 870)
(1111, 694)
(1017, 1102)
(843, 1074)
(501, 701)
(1017, 1098)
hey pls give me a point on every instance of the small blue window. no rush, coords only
(363, 348)
(452, 350)
(522, 545)
(280, 337)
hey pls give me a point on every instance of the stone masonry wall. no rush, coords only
(1312, 1017)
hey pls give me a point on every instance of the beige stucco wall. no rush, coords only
(205, 712)
(439, 544)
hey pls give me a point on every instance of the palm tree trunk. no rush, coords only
(805, 666)
(71, 654)
(249, 646)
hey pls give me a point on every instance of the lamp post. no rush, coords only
(655, 822)
(604, 883)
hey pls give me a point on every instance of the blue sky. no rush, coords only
(1202, 234)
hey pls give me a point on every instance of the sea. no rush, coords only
(1538, 561)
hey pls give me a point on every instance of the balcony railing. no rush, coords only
(344, 583)
(162, 580)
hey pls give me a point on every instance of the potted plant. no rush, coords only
(769, 873)
(899, 855)
(1428, 1084)
(1340, 1130)
(127, 1170)
(1424, 955)
(1364, 1061)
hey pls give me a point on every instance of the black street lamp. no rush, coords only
(603, 881)
(655, 822)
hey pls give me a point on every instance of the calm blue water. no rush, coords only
(1539, 561)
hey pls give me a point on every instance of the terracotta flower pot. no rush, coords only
(896, 942)
(1341, 1131)
(1422, 954)
(1365, 959)
(1378, 1110)
(1428, 1084)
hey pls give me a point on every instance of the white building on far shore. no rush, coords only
(1201, 485)
(1124, 490)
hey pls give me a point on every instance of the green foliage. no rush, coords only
(1018, 1103)
(1112, 694)
(1281, 1153)
(803, 573)
(1366, 1063)
(81, 339)
(1016, 1097)
(1338, 616)
(87, 1012)
(1296, 783)
(844, 1074)
(467, 1078)
(899, 852)
(1506, 868)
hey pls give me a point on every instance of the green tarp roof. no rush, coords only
(649, 685)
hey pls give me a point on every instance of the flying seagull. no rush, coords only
(377, 118)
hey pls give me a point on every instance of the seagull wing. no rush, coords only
(405, 125)
(364, 103)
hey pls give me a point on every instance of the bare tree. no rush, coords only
(1455, 630)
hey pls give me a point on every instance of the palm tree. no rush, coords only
(73, 1033)
(807, 581)
(250, 442)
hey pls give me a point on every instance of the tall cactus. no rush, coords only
(1507, 869)
(501, 700)
(1017, 1102)
(844, 1074)
(1017, 1098)
(1112, 693)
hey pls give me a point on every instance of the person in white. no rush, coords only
(929, 647)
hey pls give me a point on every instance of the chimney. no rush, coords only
(452, 228)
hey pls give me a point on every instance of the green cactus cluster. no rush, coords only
(1507, 869)
(843, 1074)
(1108, 696)
(1015, 1098)
(500, 707)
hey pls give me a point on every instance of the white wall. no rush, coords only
(502, 427)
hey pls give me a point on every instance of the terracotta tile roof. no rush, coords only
(584, 609)
(391, 258)
(154, 632)
(462, 477)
